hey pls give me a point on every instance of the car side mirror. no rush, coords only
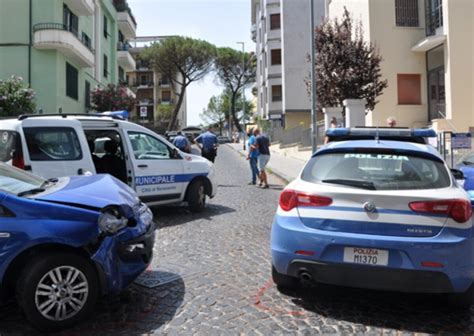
(458, 175)
(175, 154)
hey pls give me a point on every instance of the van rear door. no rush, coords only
(56, 147)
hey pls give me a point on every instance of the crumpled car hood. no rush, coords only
(95, 191)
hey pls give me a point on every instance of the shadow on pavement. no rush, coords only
(135, 311)
(421, 313)
(167, 216)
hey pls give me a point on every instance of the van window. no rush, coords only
(146, 147)
(52, 143)
(9, 145)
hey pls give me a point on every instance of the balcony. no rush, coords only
(124, 58)
(253, 33)
(81, 7)
(166, 102)
(143, 84)
(434, 18)
(145, 102)
(58, 36)
(164, 83)
(125, 19)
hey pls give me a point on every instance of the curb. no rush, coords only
(271, 169)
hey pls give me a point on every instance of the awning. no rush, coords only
(429, 43)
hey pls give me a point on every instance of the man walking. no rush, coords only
(208, 143)
(252, 156)
(262, 143)
(182, 143)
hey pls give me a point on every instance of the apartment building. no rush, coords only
(155, 93)
(65, 48)
(281, 30)
(427, 46)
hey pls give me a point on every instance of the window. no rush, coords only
(276, 56)
(377, 171)
(274, 21)
(87, 97)
(52, 143)
(72, 85)
(121, 74)
(409, 89)
(70, 20)
(10, 146)
(166, 96)
(106, 27)
(406, 13)
(147, 147)
(106, 66)
(276, 93)
(86, 40)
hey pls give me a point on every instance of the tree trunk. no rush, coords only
(174, 115)
(232, 110)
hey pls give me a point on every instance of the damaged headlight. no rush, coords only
(111, 221)
(146, 216)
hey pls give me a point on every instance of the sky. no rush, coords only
(220, 22)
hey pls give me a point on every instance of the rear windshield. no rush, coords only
(52, 143)
(377, 171)
(9, 145)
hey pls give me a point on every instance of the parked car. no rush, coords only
(466, 165)
(223, 139)
(66, 241)
(67, 145)
(378, 214)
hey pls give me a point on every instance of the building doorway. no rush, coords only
(436, 84)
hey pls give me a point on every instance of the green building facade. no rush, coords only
(65, 48)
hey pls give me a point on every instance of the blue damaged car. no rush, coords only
(66, 241)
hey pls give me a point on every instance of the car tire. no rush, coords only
(45, 279)
(462, 300)
(196, 196)
(284, 281)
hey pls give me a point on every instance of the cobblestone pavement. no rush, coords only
(221, 265)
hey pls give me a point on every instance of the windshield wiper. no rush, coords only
(468, 163)
(353, 183)
(31, 192)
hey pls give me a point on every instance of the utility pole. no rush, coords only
(243, 88)
(314, 126)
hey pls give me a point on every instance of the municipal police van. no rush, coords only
(65, 145)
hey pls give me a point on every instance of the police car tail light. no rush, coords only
(458, 209)
(290, 199)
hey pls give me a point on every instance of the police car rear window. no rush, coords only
(377, 171)
(52, 143)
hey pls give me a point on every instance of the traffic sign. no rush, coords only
(461, 141)
(143, 111)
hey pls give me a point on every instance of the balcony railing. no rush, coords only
(143, 83)
(164, 83)
(123, 46)
(166, 101)
(61, 26)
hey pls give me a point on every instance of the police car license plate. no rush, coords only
(366, 256)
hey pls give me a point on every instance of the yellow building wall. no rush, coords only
(295, 119)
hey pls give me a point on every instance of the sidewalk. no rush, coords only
(284, 167)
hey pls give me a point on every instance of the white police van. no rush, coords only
(65, 145)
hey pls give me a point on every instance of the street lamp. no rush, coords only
(314, 126)
(243, 87)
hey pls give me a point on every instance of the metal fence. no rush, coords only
(452, 149)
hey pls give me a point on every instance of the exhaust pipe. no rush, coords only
(305, 276)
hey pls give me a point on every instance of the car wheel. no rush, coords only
(57, 290)
(462, 300)
(284, 281)
(196, 196)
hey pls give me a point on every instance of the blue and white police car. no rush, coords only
(67, 145)
(376, 209)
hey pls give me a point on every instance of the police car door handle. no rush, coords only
(143, 166)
